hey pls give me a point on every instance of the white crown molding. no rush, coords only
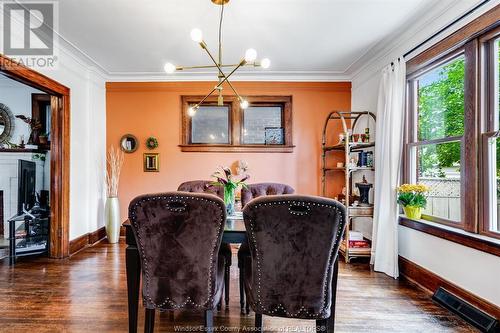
(429, 19)
(434, 20)
(291, 76)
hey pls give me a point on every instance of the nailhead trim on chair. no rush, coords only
(171, 304)
(265, 309)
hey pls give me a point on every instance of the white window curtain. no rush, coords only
(388, 151)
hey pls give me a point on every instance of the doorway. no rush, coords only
(56, 97)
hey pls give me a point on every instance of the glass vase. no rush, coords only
(229, 200)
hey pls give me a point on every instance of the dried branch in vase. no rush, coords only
(114, 166)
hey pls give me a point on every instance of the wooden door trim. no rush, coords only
(59, 148)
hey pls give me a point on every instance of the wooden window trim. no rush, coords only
(471, 40)
(468, 240)
(487, 126)
(236, 125)
(468, 151)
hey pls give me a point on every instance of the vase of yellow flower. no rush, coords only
(413, 198)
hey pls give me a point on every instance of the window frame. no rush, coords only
(236, 122)
(489, 124)
(468, 162)
(479, 107)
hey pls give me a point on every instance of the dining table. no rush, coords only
(234, 233)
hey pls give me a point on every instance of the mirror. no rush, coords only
(128, 143)
(6, 123)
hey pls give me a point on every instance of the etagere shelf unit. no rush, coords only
(346, 147)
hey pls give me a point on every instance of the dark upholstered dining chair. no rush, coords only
(205, 186)
(248, 194)
(178, 236)
(294, 242)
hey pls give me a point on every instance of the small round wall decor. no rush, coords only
(151, 142)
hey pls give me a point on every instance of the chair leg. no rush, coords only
(321, 325)
(227, 275)
(219, 305)
(242, 292)
(149, 321)
(209, 320)
(258, 322)
(331, 320)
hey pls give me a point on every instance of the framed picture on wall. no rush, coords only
(274, 136)
(151, 162)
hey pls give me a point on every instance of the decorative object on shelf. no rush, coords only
(225, 178)
(367, 135)
(341, 138)
(129, 143)
(43, 139)
(35, 126)
(413, 198)
(248, 60)
(369, 159)
(151, 162)
(274, 135)
(112, 208)
(364, 192)
(340, 164)
(152, 142)
(7, 122)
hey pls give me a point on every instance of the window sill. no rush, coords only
(478, 242)
(237, 149)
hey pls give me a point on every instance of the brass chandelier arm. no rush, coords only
(242, 63)
(180, 68)
(225, 79)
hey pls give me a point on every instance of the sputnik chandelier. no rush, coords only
(250, 59)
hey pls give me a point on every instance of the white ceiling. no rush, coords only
(138, 37)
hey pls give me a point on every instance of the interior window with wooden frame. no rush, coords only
(452, 133)
(265, 126)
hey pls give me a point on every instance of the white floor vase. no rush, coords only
(113, 223)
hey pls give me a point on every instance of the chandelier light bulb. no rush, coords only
(250, 55)
(169, 68)
(197, 35)
(265, 63)
(244, 104)
(192, 111)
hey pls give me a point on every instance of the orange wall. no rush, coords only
(153, 109)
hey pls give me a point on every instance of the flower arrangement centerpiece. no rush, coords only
(225, 178)
(413, 198)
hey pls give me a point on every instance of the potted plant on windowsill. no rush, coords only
(112, 209)
(413, 198)
(225, 178)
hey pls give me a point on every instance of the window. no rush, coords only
(491, 136)
(265, 126)
(211, 125)
(256, 119)
(436, 152)
(452, 140)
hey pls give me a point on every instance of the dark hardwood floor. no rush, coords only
(87, 293)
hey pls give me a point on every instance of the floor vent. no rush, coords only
(469, 313)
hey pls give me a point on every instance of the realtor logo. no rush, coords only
(28, 32)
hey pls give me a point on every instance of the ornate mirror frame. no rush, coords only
(9, 122)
